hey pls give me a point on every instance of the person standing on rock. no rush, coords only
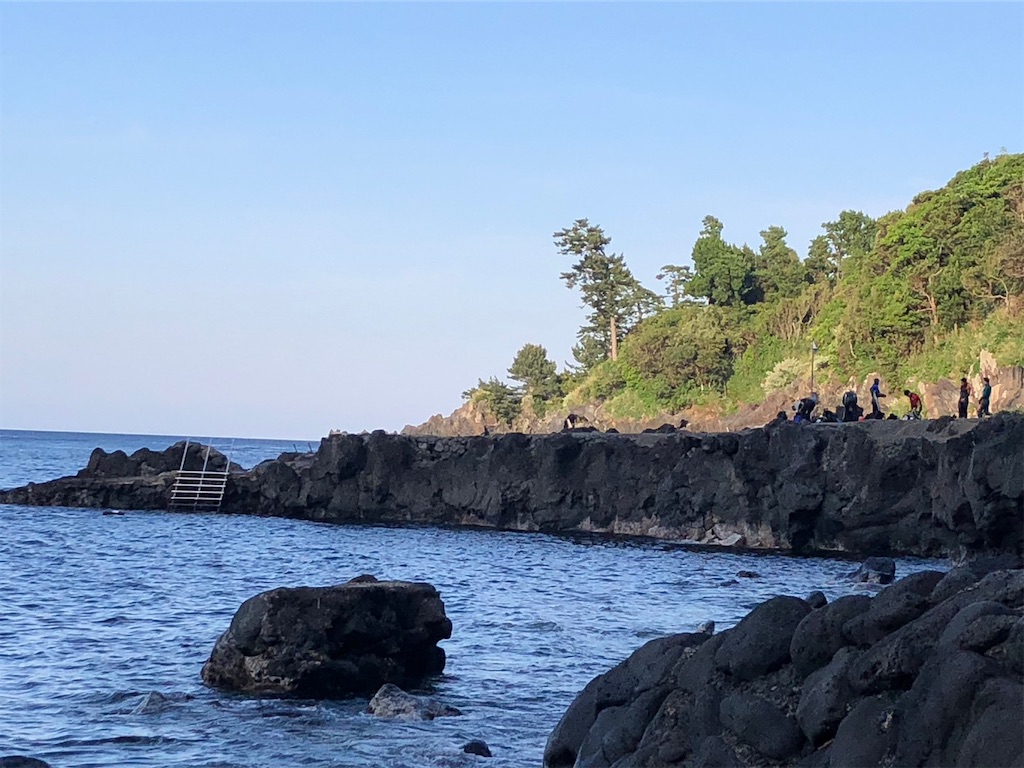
(876, 407)
(986, 398)
(915, 404)
(965, 399)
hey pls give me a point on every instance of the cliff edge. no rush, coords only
(929, 488)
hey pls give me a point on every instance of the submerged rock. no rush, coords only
(392, 701)
(477, 747)
(331, 642)
(18, 761)
(918, 675)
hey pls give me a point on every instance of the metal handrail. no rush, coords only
(200, 488)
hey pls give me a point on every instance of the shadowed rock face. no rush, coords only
(331, 642)
(931, 488)
(937, 681)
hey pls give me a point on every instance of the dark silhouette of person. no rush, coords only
(965, 399)
(851, 411)
(876, 407)
(986, 398)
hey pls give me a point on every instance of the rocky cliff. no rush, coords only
(930, 488)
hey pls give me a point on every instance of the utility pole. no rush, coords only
(814, 348)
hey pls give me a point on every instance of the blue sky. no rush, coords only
(270, 220)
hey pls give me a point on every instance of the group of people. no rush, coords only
(964, 400)
(851, 411)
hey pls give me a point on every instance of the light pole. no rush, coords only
(814, 348)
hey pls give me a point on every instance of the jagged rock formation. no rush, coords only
(331, 642)
(930, 488)
(929, 672)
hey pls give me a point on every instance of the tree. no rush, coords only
(819, 266)
(535, 372)
(605, 282)
(679, 279)
(504, 402)
(778, 266)
(682, 352)
(851, 235)
(724, 273)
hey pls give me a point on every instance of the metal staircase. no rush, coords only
(200, 489)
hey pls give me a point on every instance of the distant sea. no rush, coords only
(105, 622)
(33, 457)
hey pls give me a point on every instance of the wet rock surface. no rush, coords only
(937, 488)
(332, 642)
(392, 702)
(919, 675)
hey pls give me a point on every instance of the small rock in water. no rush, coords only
(477, 747)
(748, 575)
(706, 627)
(151, 703)
(392, 701)
(728, 583)
(875, 570)
(18, 761)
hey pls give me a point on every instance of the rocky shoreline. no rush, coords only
(928, 488)
(929, 672)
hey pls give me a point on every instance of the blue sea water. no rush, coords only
(105, 622)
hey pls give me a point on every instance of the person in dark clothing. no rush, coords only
(915, 404)
(986, 398)
(851, 411)
(876, 407)
(805, 407)
(965, 399)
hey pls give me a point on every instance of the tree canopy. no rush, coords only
(873, 294)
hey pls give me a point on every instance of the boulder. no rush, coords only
(331, 642)
(820, 633)
(761, 725)
(760, 642)
(875, 570)
(391, 701)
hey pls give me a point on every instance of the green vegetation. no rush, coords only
(915, 294)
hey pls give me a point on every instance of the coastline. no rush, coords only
(942, 488)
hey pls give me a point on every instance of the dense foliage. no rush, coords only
(916, 292)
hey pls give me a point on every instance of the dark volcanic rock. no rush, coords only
(872, 488)
(330, 642)
(919, 683)
(761, 725)
(820, 633)
(760, 643)
(876, 570)
(477, 747)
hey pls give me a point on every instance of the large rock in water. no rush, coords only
(929, 672)
(332, 642)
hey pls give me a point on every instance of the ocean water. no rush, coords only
(105, 622)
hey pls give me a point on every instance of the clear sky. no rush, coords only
(270, 220)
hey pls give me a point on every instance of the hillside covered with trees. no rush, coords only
(915, 294)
